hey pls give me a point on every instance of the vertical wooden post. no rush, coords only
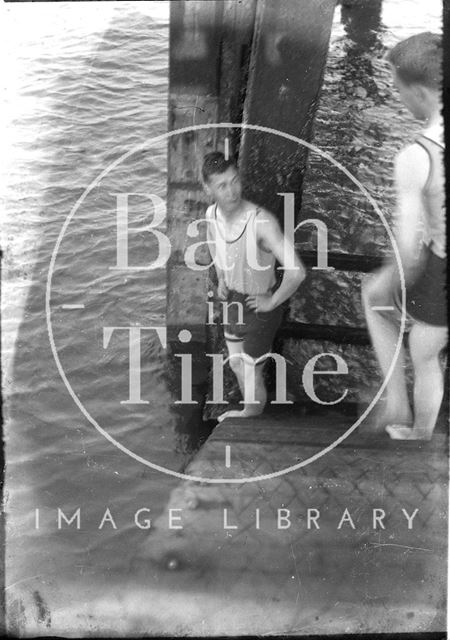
(238, 29)
(193, 100)
(286, 69)
(209, 47)
(289, 50)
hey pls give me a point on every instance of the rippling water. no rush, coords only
(87, 84)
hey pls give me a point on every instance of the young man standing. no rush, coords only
(245, 242)
(420, 234)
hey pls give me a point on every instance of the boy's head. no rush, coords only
(215, 162)
(221, 181)
(417, 69)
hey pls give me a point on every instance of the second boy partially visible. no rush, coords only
(420, 234)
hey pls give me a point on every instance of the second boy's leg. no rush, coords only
(384, 329)
(425, 342)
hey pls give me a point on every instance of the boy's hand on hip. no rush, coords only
(222, 290)
(262, 302)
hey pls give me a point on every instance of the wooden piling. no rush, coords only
(252, 60)
(210, 46)
(289, 51)
(194, 55)
(209, 53)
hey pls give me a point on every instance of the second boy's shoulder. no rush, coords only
(412, 166)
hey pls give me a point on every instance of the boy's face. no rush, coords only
(412, 96)
(225, 189)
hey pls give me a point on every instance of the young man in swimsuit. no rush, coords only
(420, 234)
(245, 242)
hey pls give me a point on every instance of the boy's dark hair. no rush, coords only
(215, 162)
(418, 60)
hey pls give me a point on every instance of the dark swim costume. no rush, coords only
(258, 329)
(426, 297)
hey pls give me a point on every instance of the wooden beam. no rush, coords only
(209, 45)
(343, 261)
(338, 334)
(289, 51)
(195, 46)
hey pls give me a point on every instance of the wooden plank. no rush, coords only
(338, 334)
(288, 55)
(238, 25)
(296, 430)
(291, 427)
(343, 261)
(409, 461)
(193, 100)
(194, 46)
(238, 28)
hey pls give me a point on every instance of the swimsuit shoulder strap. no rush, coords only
(425, 141)
(430, 146)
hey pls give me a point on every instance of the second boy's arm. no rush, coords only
(411, 172)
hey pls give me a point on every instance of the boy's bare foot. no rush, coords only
(243, 413)
(401, 432)
(380, 424)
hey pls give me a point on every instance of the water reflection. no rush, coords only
(362, 21)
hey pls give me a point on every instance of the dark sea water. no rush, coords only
(87, 84)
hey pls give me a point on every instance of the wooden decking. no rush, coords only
(342, 572)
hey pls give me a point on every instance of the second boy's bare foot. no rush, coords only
(401, 432)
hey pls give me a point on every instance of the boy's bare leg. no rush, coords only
(248, 376)
(425, 343)
(384, 333)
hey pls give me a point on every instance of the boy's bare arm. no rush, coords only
(410, 174)
(272, 238)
